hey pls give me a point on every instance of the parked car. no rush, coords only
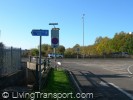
(52, 55)
(120, 54)
(125, 54)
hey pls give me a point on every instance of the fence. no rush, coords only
(10, 60)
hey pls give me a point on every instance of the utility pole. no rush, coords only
(83, 36)
(0, 33)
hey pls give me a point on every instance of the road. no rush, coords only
(107, 79)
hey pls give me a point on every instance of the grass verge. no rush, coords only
(59, 86)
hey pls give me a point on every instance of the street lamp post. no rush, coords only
(83, 35)
(0, 33)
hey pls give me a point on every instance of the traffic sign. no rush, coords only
(55, 40)
(40, 32)
(55, 37)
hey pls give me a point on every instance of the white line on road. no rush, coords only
(104, 84)
(128, 69)
(120, 71)
(126, 93)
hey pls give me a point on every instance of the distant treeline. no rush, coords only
(121, 42)
(46, 49)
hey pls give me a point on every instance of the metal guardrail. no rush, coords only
(46, 64)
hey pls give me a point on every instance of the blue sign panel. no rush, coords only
(40, 32)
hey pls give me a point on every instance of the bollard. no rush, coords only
(48, 62)
(45, 63)
(37, 59)
(29, 58)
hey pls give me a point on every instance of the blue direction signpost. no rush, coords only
(40, 33)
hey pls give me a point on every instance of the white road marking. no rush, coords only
(120, 71)
(126, 93)
(128, 69)
(104, 84)
(118, 88)
(118, 68)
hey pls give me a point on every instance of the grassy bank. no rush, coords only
(59, 85)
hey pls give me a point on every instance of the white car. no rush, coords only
(52, 55)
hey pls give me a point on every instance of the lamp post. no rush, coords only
(0, 33)
(83, 34)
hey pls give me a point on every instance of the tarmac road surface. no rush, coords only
(107, 79)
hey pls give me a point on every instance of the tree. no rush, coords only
(91, 50)
(103, 46)
(98, 40)
(50, 50)
(61, 49)
(45, 48)
(70, 53)
(77, 49)
(34, 52)
(119, 41)
(76, 46)
(128, 47)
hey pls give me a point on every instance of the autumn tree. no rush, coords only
(61, 49)
(128, 47)
(34, 52)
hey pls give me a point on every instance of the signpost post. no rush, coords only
(77, 50)
(40, 33)
(55, 40)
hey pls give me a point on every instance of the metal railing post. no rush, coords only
(48, 62)
(20, 58)
(29, 58)
(37, 77)
(11, 59)
(45, 63)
